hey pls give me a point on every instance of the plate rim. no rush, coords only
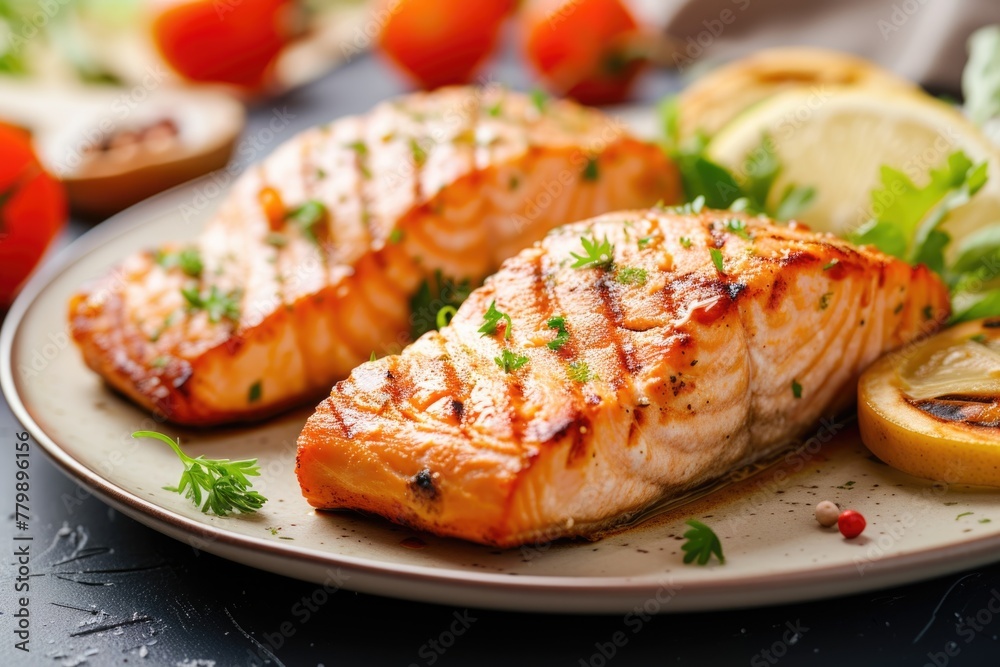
(608, 593)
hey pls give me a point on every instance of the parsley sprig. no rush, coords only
(219, 485)
(701, 543)
(430, 305)
(595, 253)
(187, 260)
(509, 361)
(491, 320)
(562, 335)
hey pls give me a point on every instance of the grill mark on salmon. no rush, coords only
(709, 389)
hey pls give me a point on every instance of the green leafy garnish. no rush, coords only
(590, 172)
(219, 485)
(643, 242)
(796, 389)
(419, 154)
(306, 217)
(216, 303)
(738, 227)
(595, 253)
(963, 514)
(276, 239)
(491, 320)
(579, 371)
(396, 235)
(685, 242)
(701, 543)
(509, 361)
(824, 301)
(444, 316)
(373, 356)
(187, 260)
(631, 275)
(562, 335)
(717, 259)
(431, 297)
(720, 188)
(254, 393)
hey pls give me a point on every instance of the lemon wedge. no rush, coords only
(836, 140)
(932, 409)
(716, 98)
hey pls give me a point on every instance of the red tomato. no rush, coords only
(32, 211)
(851, 524)
(585, 49)
(440, 42)
(223, 41)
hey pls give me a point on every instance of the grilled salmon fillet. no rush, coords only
(692, 343)
(311, 262)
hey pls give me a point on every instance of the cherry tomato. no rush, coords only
(441, 42)
(851, 523)
(32, 211)
(585, 49)
(223, 41)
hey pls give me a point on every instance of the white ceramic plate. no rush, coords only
(775, 551)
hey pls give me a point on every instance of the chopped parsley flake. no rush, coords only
(962, 514)
(738, 227)
(306, 217)
(187, 260)
(419, 154)
(631, 275)
(796, 389)
(160, 362)
(562, 335)
(824, 301)
(509, 361)
(717, 260)
(832, 263)
(596, 253)
(590, 172)
(685, 242)
(491, 320)
(643, 242)
(978, 338)
(579, 371)
(928, 313)
(217, 304)
(396, 235)
(253, 395)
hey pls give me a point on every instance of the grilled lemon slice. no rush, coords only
(932, 409)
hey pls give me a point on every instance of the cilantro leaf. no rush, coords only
(509, 361)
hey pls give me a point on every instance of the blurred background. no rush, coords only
(104, 103)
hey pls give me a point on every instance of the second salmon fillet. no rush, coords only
(311, 263)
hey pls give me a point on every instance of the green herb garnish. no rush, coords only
(491, 320)
(444, 316)
(187, 260)
(254, 393)
(717, 259)
(631, 275)
(796, 389)
(306, 217)
(219, 485)
(216, 303)
(562, 335)
(509, 361)
(824, 301)
(431, 297)
(590, 172)
(685, 242)
(579, 371)
(596, 254)
(701, 543)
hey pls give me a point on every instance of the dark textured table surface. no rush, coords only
(109, 591)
